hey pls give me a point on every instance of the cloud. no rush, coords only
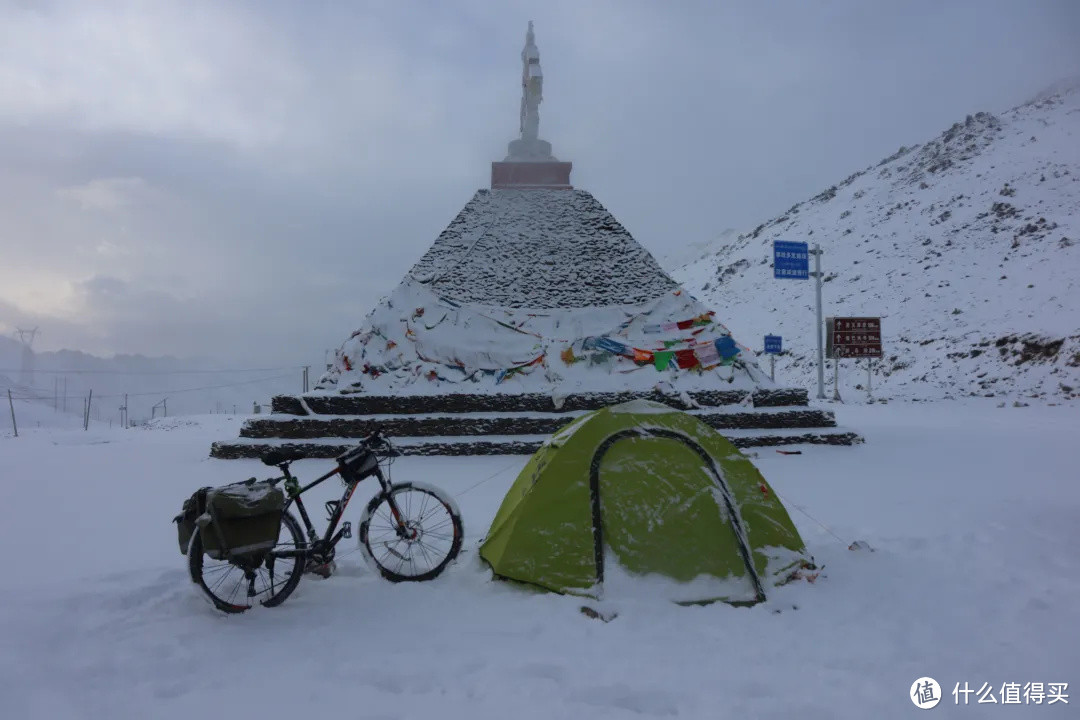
(249, 177)
(184, 70)
(105, 194)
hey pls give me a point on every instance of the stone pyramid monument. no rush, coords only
(536, 287)
(534, 302)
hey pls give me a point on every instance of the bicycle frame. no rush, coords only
(332, 535)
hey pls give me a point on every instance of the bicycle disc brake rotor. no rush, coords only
(413, 534)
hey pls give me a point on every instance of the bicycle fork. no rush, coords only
(402, 528)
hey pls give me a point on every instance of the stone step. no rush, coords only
(504, 445)
(506, 424)
(340, 404)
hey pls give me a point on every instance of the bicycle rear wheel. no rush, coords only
(227, 584)
(418, 549)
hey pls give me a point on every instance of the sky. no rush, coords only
(244, 180)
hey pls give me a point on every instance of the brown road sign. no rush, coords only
(853, 337)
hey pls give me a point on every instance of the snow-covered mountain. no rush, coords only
(967, 247)
(674, 255)
(190, 385)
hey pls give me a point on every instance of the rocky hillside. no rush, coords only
(967, 247)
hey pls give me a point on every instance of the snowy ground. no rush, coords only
(971, 509)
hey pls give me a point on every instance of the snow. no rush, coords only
(967, 247)
(656, 588)
(191, 385)
(536, 291)
(642, 407)
(416, 342)
(540, 249)
(970, 509)
(34, 414)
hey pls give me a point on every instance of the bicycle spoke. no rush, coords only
(442, 527)
(220, 582)
(236, 588)
(423, 506)
(434, 549)
(431, 533)
(394, 552)
(424, 552)
(272, 586)
(219, 568)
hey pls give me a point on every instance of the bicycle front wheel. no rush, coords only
(234, 589)
(420, 542)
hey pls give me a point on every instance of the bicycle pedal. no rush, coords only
(323, 570)
(346, 530)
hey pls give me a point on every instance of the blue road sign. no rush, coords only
(791, 260)
(772, 344)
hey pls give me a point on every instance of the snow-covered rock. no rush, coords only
(967, 247)
(539, 249)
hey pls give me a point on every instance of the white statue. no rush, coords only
(529, 146)
(532, 86)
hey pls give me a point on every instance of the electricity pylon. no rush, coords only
(26, 337)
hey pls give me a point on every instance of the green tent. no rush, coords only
(644, 490)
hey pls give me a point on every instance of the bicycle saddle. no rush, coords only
(277, 457)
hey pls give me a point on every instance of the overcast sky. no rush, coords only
(245, 179)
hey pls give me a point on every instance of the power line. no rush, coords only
(167, 392)
(157, 372)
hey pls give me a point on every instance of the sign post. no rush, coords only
(772, 349)
(791, 261)
(869, 380)
(836, 380)
(817, 327)
(852, 337)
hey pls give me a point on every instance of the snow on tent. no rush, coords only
(654, 490)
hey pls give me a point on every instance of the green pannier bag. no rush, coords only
(193, 507)
(241, 520)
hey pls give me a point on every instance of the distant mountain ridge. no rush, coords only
(191, 385)
(967, 246)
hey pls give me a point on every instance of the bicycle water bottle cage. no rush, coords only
(332, 508)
